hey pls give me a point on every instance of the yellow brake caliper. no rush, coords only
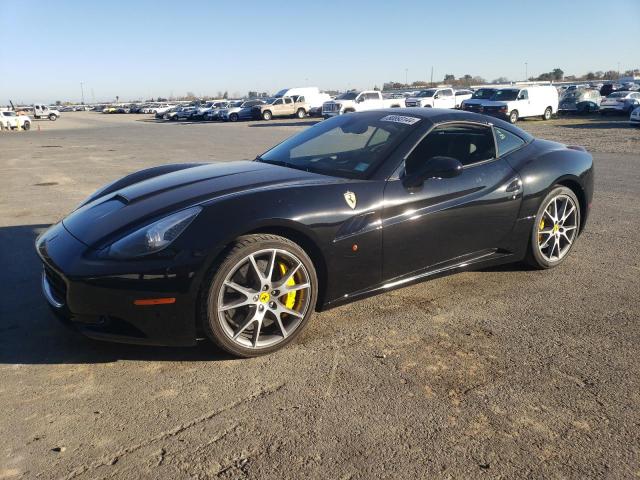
(290, 300)
(540, 228)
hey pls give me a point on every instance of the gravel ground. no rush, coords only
(504, 373)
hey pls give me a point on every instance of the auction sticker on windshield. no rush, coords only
(400, 119)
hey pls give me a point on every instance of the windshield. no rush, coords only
(484, 93)
(426, 93)
(347, 96)
(271, 101)
(235, 104)
(281, 93)
(618, 95)
(505, 95)
(348, 146)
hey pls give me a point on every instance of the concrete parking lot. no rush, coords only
(503, 373)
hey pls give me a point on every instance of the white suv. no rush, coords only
(10, 120)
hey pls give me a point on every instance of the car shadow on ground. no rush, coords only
(30, 332)
(307, 123)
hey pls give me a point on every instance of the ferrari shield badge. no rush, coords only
(350, 198)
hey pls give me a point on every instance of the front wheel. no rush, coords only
(547, 114)
(259, 296)
(266, 115)
(26, 125)
(233, 117)
(301, 113)
(556, 228)
(53, 117)
(513, 116)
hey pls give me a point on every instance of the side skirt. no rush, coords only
(483, 260)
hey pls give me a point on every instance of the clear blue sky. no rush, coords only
(138, 49)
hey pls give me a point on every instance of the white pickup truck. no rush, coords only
(433, 97)
(41, 110)
(358, 102)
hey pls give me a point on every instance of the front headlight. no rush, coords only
(154, 237)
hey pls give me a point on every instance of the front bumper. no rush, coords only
(96, 297)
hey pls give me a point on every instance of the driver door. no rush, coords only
(446, 220)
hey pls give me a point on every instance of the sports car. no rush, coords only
(244, 252)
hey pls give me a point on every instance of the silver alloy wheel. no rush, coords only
(557, 228)
(264, 298)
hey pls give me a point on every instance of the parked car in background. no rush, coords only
(241, 110)
(160, 111)
(620, 102)
(581, 100)
(10, 120)
(355, 101)
(41, 110)
(513, 103)
(433, 97)
(474, 104)
(608, 88)
(280, 107)
(213, 113)
(181, 113)
(634, 117)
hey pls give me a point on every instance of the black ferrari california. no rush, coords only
(244, 252)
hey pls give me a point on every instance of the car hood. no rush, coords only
(143, 202)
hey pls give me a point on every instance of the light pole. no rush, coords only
(526, 71)
(406, 76)
(618, 70)
(82, 92)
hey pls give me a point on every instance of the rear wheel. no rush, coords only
(555, 229)
(233, 117)
(513, 116)
(547, 114)
(260, 296)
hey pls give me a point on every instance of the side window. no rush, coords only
(278, 102)
(523, 95)
(288, 100)
(447, 93)
(372, 96)
(507, 141)
(301, 99)
(467, 143)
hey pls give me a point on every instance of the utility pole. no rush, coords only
(431, 83)
(406, 76)
(618, 70)
(82, 92)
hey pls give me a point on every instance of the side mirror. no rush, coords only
(435, 167)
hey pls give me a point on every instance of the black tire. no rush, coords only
(233, 117)
(26, 125)
(53, 117)
(547, 114)
(534, 257)
(513, 116)
(266, 115)
(239, 250)
(301, 113)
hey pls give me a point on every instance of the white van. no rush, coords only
(512, 103)
(310, 95)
